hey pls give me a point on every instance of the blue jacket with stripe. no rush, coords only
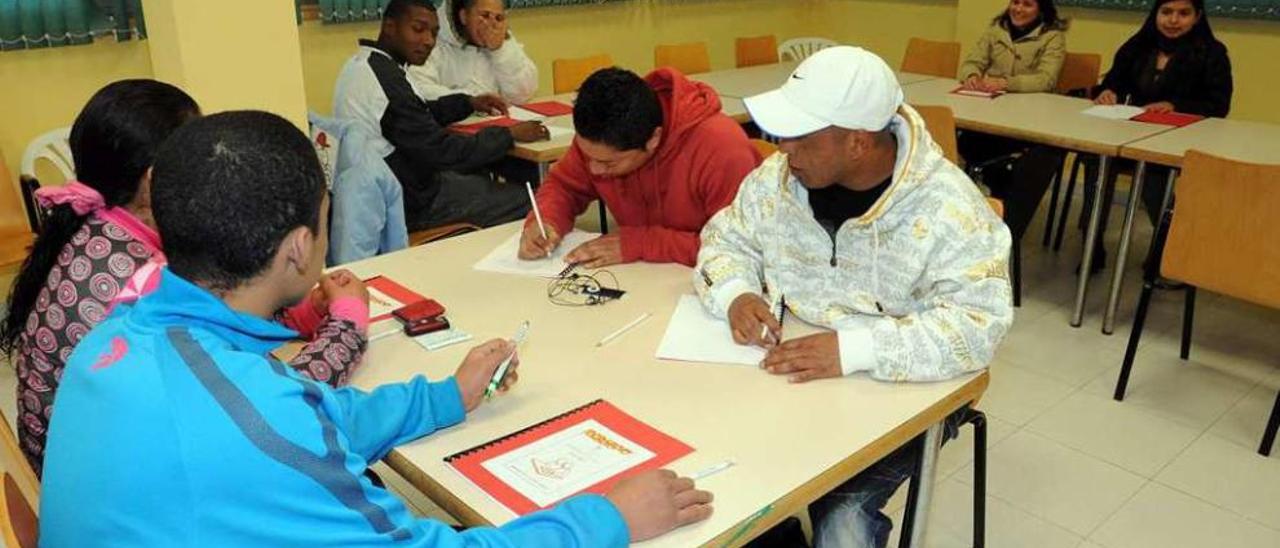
(174, 427)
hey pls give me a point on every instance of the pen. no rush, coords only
(537, 214)
(501, 372)
(624, 329)
(712, 470)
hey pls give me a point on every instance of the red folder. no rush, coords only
(470, 462)
(395, 291)
(549, 108)
(475, 127)
(1175, 119)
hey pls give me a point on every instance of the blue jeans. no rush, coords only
(851, 515)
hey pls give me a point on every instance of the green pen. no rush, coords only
(501, 373)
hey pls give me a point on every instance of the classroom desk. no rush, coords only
(1046, 119)
(791, 443)
(1254, 142)
(745, 82)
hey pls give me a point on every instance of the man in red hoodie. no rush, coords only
(660, 154)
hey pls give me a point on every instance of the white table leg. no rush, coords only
(928, 471)
(1091, 238)
(1122, 254)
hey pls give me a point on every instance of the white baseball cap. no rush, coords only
(840, 86)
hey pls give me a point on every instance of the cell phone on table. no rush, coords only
(426, 325)
(419, 311)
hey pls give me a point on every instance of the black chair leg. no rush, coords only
(1269, 436)
(913, 495)
(1053, 207)
(1015, 272)
(1140, 318)
(979, 421)
(604, 218)
(1076, 166)
(1188, 319)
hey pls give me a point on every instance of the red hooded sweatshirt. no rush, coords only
(660, 208)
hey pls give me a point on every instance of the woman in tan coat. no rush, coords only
(1021, 51)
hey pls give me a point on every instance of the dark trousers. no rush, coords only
(474, 198)
(1020, 183)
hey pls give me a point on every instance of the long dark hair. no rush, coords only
(1149, 35)
(113, 143)
(1048, 17)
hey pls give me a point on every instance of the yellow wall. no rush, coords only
(44, 89)
(1253, 46)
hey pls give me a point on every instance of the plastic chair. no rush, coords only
(568, 74)
(765, 148)
(691, 58)
(758, 50)
(1223, 237)
(799, 49)
(21, 526)
(52, 147)
(941, 59)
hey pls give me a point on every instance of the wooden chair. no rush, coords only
(941, 59)
(21, 526)
(941, 123)
(691, 58)
(15, 463)
(1080, 73)
(757, 50)
(765, 148)
(440, 233)
(799, 49)
(568, 74)
(15, 228)
(1224, 237)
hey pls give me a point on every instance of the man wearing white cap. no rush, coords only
(863, 227)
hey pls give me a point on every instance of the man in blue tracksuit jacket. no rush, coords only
(176, 428)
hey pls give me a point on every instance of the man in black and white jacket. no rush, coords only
(442, 172)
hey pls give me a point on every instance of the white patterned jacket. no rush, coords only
(917, 288)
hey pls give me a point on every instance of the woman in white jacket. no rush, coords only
(475, 54)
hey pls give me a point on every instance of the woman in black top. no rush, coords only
(1173, 64)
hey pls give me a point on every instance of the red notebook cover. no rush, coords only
(470, 463)
(395, 291)
(1175, 119)
(475, 127)
(549, 108)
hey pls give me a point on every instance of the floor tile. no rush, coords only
(1161, 517)
(1124, 435)
(1055, 483)
(1190, 392)
(1016, 395)
(1244, 423)
(1230, 476)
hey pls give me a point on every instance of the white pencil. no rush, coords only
(712, 470)
(624, 329)
(536, 212)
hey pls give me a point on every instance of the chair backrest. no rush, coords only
(756, 50)
(568, 74)
(690, 58)
(941, 59)
(765, 148)
(942, 126)
(54, 148)
(1225, 235)
(21, 526)
(799, 49)
(1080, 71)
(997, 205)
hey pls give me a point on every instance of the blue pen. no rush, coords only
(501, 373)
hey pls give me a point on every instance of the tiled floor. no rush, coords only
(1172, 466)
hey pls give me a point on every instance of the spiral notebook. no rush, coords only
(585, 450)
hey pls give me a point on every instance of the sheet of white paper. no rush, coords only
(524, 115)
(565, 463)
(503, 259)
(1113, 112)
(557, 132)
(694, 335)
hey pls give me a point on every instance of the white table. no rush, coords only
(791, 443)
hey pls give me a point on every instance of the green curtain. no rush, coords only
(32, 24)
(350, 11)
(1243, 9)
